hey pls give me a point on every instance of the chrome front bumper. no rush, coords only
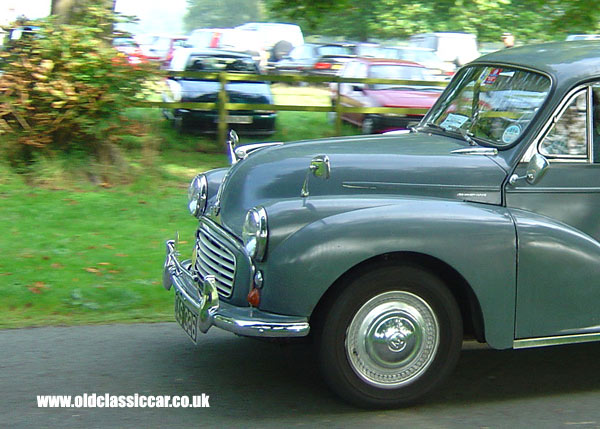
(246, 321)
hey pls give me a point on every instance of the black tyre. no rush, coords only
(390, 337)
(368, 125)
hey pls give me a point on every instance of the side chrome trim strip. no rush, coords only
(554, 341)
(487, 151)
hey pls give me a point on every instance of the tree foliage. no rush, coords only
(222, 13)
(488, 19)
(64, 87)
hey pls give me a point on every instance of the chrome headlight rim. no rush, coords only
(255, 233)
(197, 195)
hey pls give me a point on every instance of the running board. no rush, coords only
(555, 341)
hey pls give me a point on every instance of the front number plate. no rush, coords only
(186, 318)
(232, 119)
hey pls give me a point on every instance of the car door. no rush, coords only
(352, 94)
(558, 226)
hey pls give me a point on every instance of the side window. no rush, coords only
(596, 122)
(568, 137)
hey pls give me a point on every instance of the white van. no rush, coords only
(457, 48)
(276, 38)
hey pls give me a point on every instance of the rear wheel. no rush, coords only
(368, 125)
(392, 335)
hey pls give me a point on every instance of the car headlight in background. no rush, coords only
(197, 195)
(255, 233)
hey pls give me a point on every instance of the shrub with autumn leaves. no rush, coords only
(64, 89)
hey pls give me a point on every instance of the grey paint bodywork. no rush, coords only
(527, 252)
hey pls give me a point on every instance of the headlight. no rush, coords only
(197, 195)
(255, 232)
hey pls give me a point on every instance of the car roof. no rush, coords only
(567, 62)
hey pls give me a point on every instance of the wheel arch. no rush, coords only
(470, 308)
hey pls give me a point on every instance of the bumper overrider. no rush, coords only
(209, 310)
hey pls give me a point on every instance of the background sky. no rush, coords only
(156, 16)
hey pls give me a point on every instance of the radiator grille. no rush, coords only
(215, 259)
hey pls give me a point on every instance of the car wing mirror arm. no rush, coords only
(320, 167)
(536, 169)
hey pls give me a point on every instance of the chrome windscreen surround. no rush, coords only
(213, 258)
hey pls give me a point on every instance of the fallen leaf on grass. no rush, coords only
(104, 263)
(37, 287)
(92, 270)
(57, 265)
(114, 271)
(6, 274)
(107, 246)
(122, 255)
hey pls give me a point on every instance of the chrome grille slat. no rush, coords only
(216, 265)
(221, 286)
(218, 257)
(215, 269)
(214, 258)
(214, 245)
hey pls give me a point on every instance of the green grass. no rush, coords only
(83, 255)
(74, 253)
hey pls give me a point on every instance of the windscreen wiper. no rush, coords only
(466, 134)
(434, 126)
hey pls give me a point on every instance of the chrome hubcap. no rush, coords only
(392, 339)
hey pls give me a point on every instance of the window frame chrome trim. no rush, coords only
(534, 146)
(557, 115)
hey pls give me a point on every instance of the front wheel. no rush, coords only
(390, 337)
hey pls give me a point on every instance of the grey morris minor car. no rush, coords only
(389, 250)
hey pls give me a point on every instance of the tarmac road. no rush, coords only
(256, 384)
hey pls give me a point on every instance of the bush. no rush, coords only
(64, 90)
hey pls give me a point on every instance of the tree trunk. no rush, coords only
(68, 11)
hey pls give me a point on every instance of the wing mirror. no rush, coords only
(232, 143)
(537, 167)
(320, 167)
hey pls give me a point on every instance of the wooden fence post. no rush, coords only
(338, 108)
(222, 126)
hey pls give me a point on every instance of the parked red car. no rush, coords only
(385, 95)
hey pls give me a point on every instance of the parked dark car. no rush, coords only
(385, 95)
(316, 60)
(482, 223)
(184, 89)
